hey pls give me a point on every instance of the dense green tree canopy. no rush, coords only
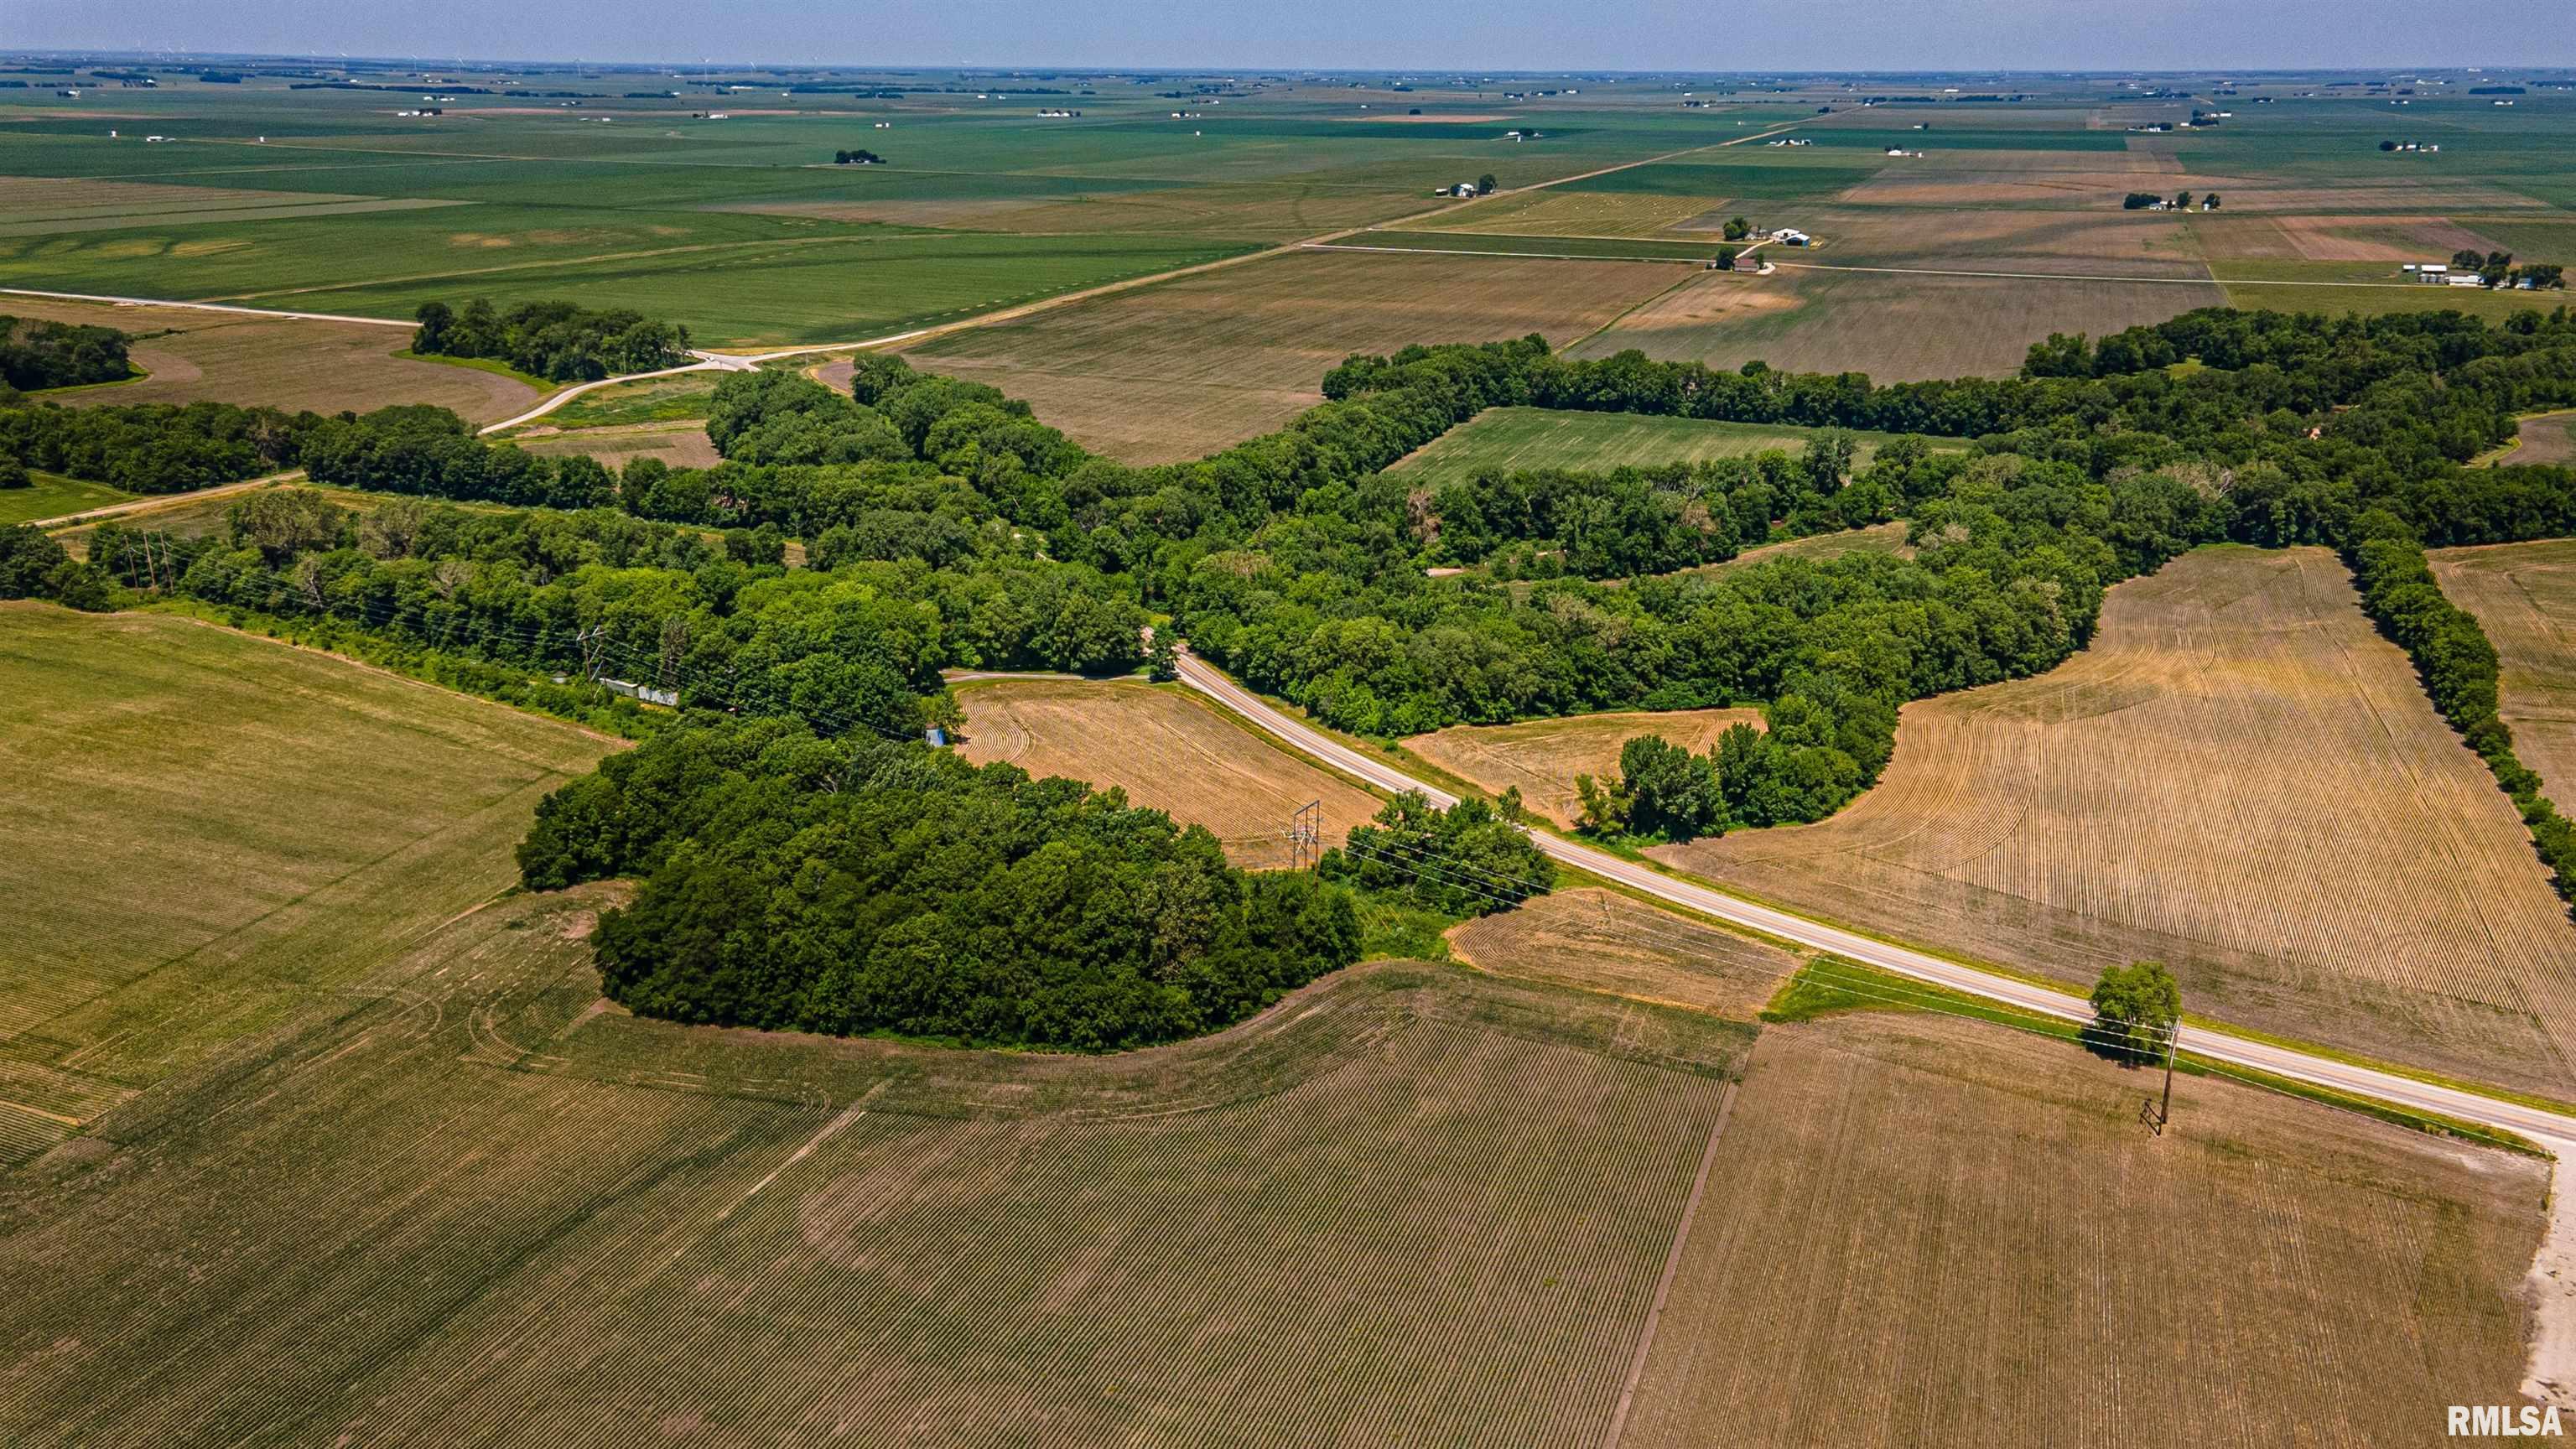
(855, 886)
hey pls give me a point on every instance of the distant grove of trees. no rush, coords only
(2142, 200)
(860, 157)
(554, 340)
(35, 354)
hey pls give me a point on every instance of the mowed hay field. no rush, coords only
(2524, 596)
(1167, 750)
(277, 362)
(1599, 940)
(1896, 327)
(1509, 439)
(469, 1206)
(1922, 1231)
(2240, 778)
(1540, 758)
(1183, 368)
(211, 830)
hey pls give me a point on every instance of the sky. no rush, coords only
(1347, 34)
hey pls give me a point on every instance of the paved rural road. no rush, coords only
(2554, 1130)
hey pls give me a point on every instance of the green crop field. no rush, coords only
(1514, 438)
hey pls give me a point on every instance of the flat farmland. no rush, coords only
(2240, 778)
(1541, 758)
(1563, 212)
(1896, 327)
(38, 206)
(1977, 1217)
(193, 356)
(1182, 368)
(1509, 439)
(1167, 750)
(2524, 596)
(471, 1204)
(828, 288)
(229, 828)
(1602, 941)
(2142, 244)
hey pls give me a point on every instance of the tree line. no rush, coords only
(2458, 665)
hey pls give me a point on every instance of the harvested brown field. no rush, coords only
(2524, 596)
(1966, 181)
(2119, 243)
(682, 444)
(228, 829)
(1580, 213)
(1182, 368)
(1540, 758)
(1894, 326)
(2240, 778)
(471, 1204)
(1708, 300)
(275, 362)
(2390, 239)
(1923, 1231)
(2408, 191)
(1167, 750)
(1602, 941)
(2224, 238)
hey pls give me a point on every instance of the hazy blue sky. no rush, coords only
(1428, 34)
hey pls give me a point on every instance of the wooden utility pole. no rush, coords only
(2173, 1032)
(2158, 1115)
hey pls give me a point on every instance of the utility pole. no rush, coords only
(2173, 1033)
(1306, 836)
(2159, 1115)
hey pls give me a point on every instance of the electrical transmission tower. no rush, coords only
(1306, 836)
